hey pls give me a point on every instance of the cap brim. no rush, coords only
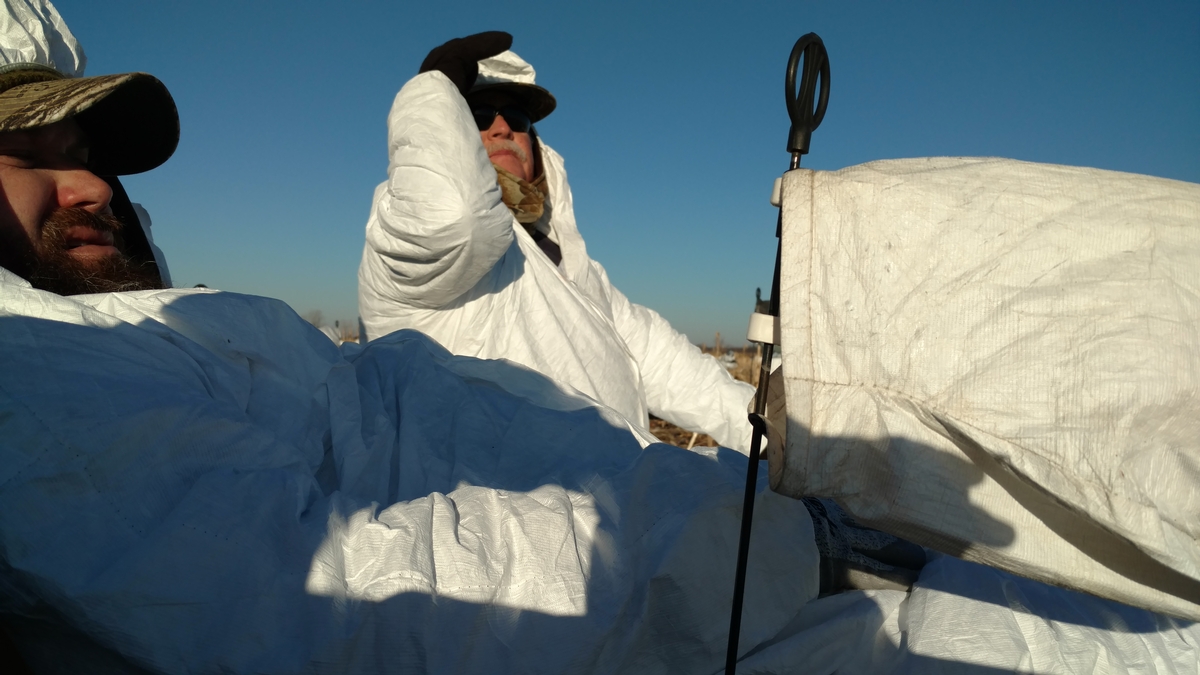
(534, 100)
(130, 119)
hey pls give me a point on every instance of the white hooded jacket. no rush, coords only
(444, 256)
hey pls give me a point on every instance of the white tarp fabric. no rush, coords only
(966, 619)
(194, 481)
(444, 256)
(1001, 360)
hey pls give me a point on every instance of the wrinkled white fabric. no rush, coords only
(962, 617)
(504, 68)
(1001, 360)
(32, 31)
(193, 481)
(444, 256)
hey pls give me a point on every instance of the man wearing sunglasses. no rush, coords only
(472, 240)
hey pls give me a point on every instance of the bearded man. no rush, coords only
(66, 225)
(473, 241)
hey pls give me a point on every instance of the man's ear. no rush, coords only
(537, 153)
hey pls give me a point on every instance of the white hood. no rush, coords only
(505, 68)
(32, 31)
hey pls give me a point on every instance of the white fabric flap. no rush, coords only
(1000, 360)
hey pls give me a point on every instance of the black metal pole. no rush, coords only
(806, 108)
(760, 406)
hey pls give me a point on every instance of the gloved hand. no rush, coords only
(459, 58)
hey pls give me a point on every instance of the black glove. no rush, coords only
(459, 58)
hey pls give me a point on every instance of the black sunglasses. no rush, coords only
(516, 118)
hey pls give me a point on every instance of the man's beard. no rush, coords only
(52, 268)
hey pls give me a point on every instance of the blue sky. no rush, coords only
(670, 117)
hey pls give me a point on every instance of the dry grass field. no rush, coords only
(345, 333)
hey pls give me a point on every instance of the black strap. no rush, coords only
(551, 249)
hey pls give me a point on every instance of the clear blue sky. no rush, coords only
(670, 117)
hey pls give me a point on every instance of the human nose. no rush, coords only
(500, 128)
(80, 188)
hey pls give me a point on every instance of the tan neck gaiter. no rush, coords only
(526, 200)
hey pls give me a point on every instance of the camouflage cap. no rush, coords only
(130, 119)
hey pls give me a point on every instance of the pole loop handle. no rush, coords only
(800, 103)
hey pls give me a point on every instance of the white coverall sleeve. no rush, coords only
(438, 224)
(683, 385)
